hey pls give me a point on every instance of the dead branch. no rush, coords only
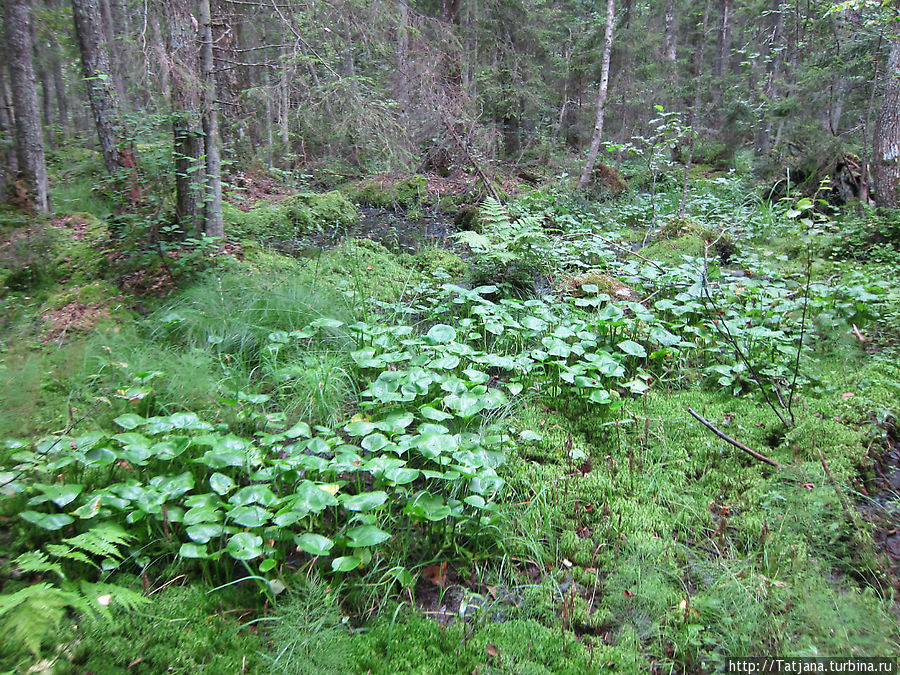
(488, 186)
(762, 458)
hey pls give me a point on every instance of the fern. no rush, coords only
(102, 540)
(493, 214)
(30, 613)
(37, 561)
(505, 240)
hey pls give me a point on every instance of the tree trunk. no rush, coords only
(59, 87)
(764, 132)
(117, 149)
(723, 55)
(9, 165)
(188, 169)
(213, 198)
(46, 104)
(402, 82)
(670, 54)
(601, 96)
(32, 175)
(695, 110)
(886, 150)
(180, 58)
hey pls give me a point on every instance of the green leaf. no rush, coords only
(632, 348)
(61, 495)
(47, 521)
(298, 430)
(395, 424)
(220, 483)
(600, 396)
(250, 516)
(129, 421)
(401, 475)
(434, 414)
(345, 563)
(244, 546)
(309, 497)
(314, 544)
(364, 502)
(89, 509)
(433, 445)
(189, 550)
(366, 535)
(359, 428)
(202, 514)
(254, 494)
(203, 532)
(374, 442)
(440, 334)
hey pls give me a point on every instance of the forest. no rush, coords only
(448, 336)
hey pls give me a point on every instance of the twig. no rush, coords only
(762, 458)
(489, 188)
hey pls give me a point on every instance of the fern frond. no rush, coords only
(474, 240)
(492, 213)
(37, 561)
(63, 551)
(38, 610)
(117, 595)
(102, 540)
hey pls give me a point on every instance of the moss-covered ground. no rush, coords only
(628, 537)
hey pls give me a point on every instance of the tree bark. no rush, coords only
(117, 149)
(601, 96)
(886, 148)
(181, 62)
(670, 53)
(29, 138)
(59, 87)
(213, 198)
(723, 55)
(9, 165)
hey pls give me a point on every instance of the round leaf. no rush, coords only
(366, 535)
(314, 544)
(441, 334)
(244, 546)
(364, 502)
(345, 563)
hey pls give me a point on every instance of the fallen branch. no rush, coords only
(488, 186)
(740, 446)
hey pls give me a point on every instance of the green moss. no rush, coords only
(672, 251)
(298, 214)
(412, 644)
(390, 193)
(439, 260)
(183, 631)
(95, 293)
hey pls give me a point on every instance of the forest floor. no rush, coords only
(398, 428)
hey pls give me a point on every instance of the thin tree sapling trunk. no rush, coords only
(213, 224)
(601, 97)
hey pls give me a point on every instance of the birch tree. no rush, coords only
(601, 96)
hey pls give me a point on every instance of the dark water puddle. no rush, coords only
(394, 230)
